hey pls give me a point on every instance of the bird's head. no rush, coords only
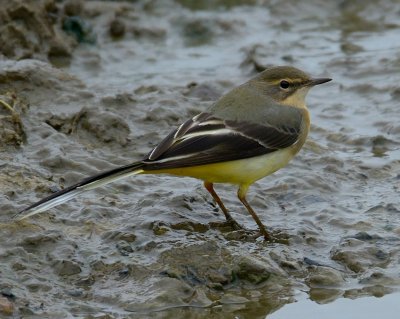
(286, 85)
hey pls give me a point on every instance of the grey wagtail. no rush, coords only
(249, 133)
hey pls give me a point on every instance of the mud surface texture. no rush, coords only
(89, 85)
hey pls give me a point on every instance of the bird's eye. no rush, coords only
(284, 84)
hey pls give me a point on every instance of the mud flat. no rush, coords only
(87, 86)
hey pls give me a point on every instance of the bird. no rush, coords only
(249, 133)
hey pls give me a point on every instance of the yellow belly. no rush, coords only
(244, 171)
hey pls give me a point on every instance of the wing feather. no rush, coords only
(206, 139)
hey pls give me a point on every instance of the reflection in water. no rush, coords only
(387, 307)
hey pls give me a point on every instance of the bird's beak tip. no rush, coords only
(319, 81)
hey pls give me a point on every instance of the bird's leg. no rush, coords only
(210, 188)
(242, 197)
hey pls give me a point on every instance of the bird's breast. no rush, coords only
(243, 171)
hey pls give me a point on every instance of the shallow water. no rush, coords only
(150, 246)
(365, 308)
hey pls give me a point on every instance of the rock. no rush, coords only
(198, 32)
(254, 270)
(254, 58)
(41, 239)
(324, 277)
(33, 29)
(204, 92)
(375, 290)
(364, 236)
(11, 126)
(117, 28)
(190, 227)
(360, 255)
(80, 29)
(324, 295)
(89, 124)
(169, 293)
(6, 306)
(73, 7)
(124, 248)
(124, 235)
(228, 299)
(160, 228)
(66, 267)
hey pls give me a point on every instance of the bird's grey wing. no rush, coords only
(206, 139)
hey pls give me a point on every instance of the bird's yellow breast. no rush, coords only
(243, 171)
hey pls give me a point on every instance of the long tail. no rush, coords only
(84, 185)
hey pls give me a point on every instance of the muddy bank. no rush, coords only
(155, 246)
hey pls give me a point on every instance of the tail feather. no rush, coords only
(84, 185)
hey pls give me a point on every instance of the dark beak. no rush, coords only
(318, 81)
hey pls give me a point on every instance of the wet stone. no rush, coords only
(98, 265)
(228, 299)
(242, 235)
(203, 92)
(190, 226)
(100, 316)
(73, 7)
(40, 239)
(32, 27)
(167, 293)
(90, 124)
(124, 273)
(207, 265)
(127, 236)
(325, 295)
(361, 257)
(311, 262)
(143, 90)
(80, 29)
(324, 277)
(75, 292)
(6, 292)
(221, 276)
(253, 270)
(153, 33)
(375, 290)
(66, 268)
(38, 286)
(255, 57)
(6, 306)
(18, 266)
(197, 32)
(86, 281)
(117, 28)
(214, 5)
(351, 48)
(364, 236)
(159, 228)
(11, 126)
(378, 277)
(290, 266)
(124, 248)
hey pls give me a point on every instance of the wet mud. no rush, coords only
(89, 85)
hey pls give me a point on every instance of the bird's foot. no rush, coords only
(276, 236)
(228, 225)
(245, 235)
